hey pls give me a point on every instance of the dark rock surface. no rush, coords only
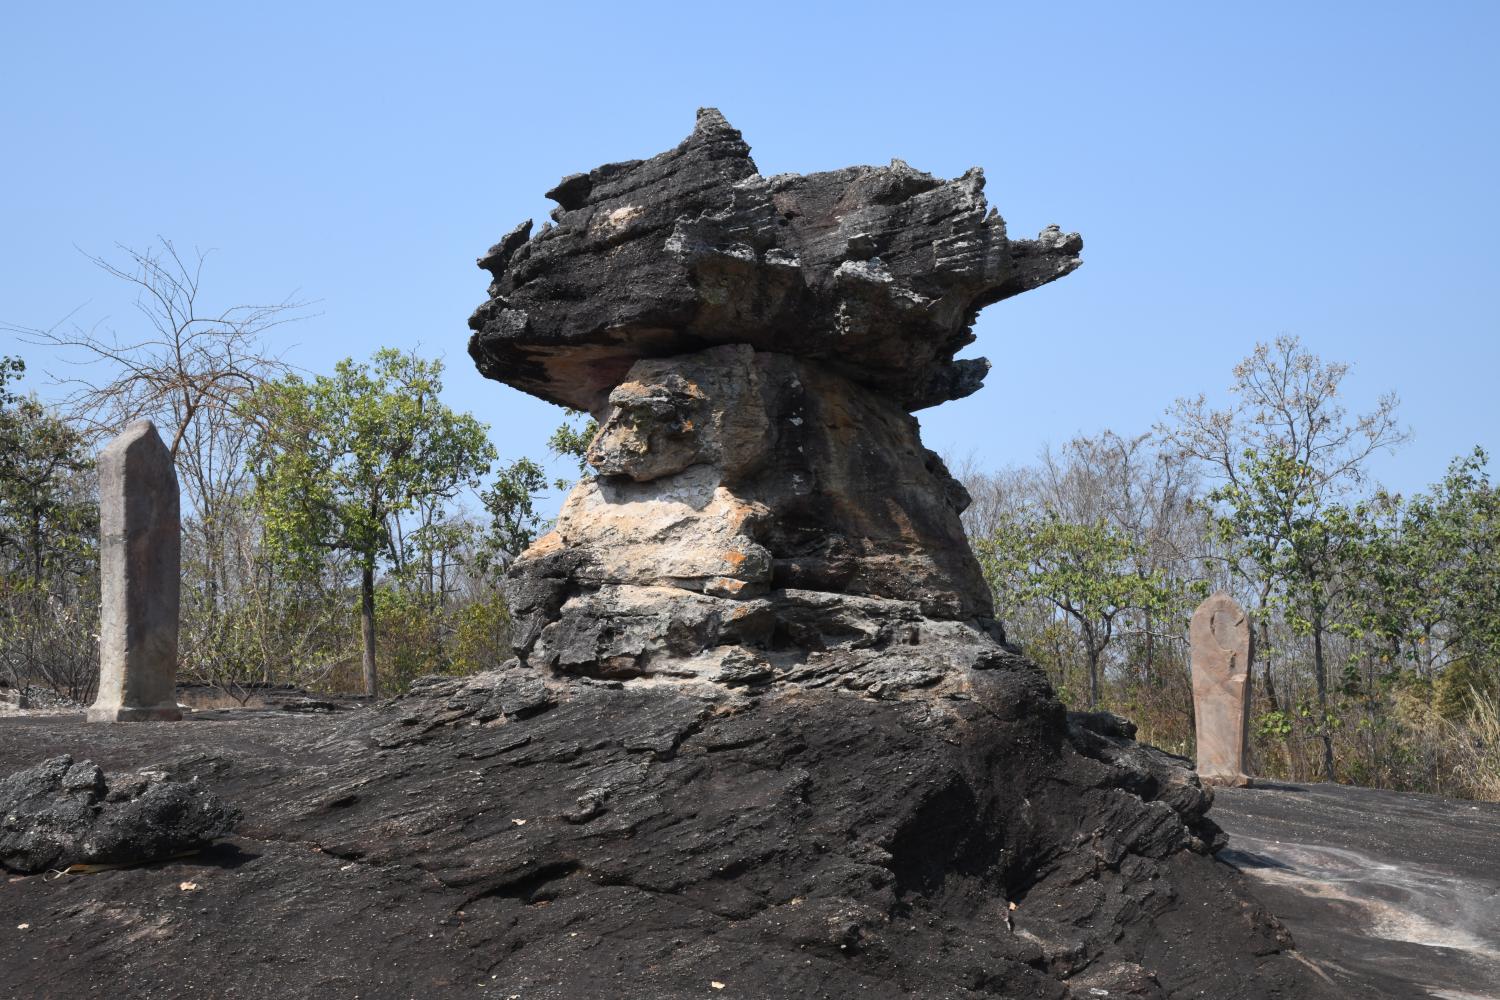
(1386, 893)
(62, 812)
(505, 837)
(878, 272)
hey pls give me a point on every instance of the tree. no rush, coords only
(573, 441)
(1145, 497)
(1458, 525)
(1434, 587)
(336, 459)
(1286, 399)
(48, 527)
(188, 362)
(1089, 571)
(10, 369)
(40, 510)
(511, 503)
(1286, 402)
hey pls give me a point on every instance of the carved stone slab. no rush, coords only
(1221, 652)
(140, 579)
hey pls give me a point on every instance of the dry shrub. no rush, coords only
(1473, 749)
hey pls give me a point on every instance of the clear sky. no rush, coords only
(1238, 171)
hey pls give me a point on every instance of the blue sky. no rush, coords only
(1238, 171)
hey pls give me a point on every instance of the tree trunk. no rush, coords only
(1148, 667)
(367, 627)
(1263, 652)
(1320, 673)
(36, 552)
(1093, 678)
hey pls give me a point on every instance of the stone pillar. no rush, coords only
(140, 579)
(1221, 650)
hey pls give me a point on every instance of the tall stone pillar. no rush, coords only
(140, 579)
(1221, 650)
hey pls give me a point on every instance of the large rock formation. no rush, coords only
(766, 590)
(762, 737)
(764, 509)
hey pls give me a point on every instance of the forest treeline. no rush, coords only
(1375, 616)
(348, 531)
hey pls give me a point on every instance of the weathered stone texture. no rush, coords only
(140, 579)
(61, 813)
(876, 271)
(752, 347)
(750, 481)
(1221, 649)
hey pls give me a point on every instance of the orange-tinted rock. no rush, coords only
(740, 475)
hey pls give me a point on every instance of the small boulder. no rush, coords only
(62, 813)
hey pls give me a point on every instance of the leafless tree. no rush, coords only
(184, 365)
(1285, 398)
(184, 359)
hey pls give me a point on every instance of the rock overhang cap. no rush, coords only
(878, 272)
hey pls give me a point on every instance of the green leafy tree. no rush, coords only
(511, 503)
(335, 460)
(572, 441)
(1090, 572)
(1433, 596)
(48, 532)
(41, 512)
(10, 370)
(1458, 524)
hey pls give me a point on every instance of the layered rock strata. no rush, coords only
(875, 271)
(763, 507)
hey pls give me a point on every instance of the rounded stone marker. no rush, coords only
(140, 579)
(1219, 639)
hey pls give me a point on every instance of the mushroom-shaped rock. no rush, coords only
(753, 348)
(877, 272)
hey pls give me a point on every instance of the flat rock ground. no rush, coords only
(1386, 892)
(361, 872)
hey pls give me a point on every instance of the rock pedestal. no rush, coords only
(753, 347)
(140, 579)
(1221, 651)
